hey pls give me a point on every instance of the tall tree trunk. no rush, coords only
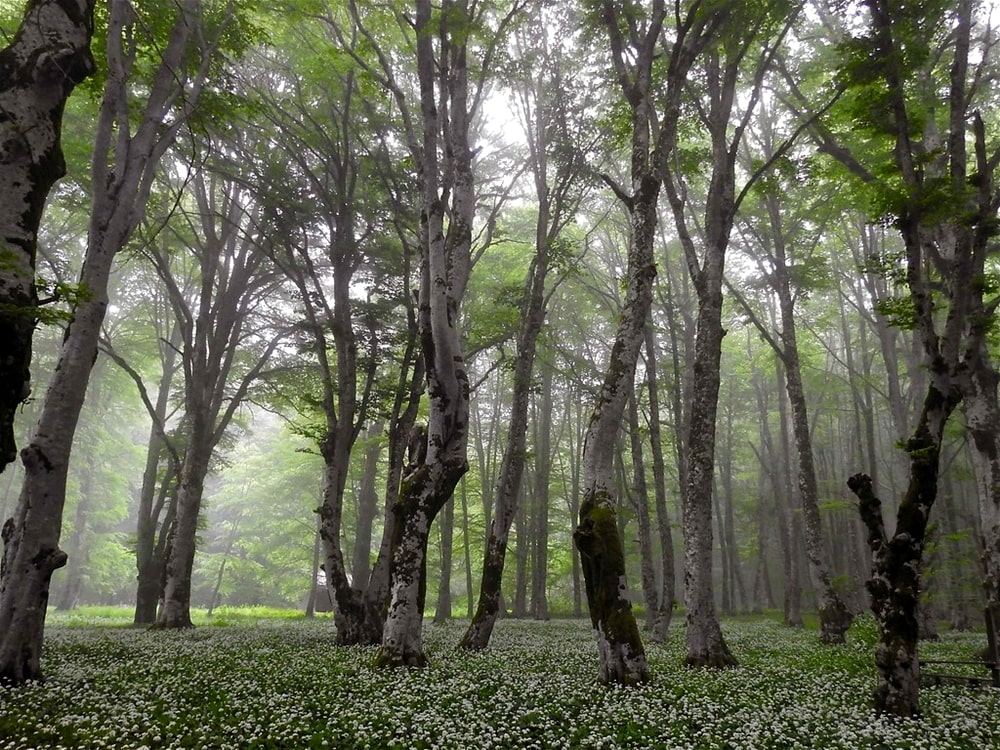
(834, 617)
(509, 484)
(31, 537)
(442, 611)
(633, 50)
(706, 645)
(439, 459)
(48, 56)
(543, 475)
(665, 603)
(785, 506)
(574, 417)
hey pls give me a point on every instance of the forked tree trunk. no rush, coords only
(358, 622)
(49, 55)
(894, 587)
(423, 494)
(179, 562)
(620, 650)
(439, 457)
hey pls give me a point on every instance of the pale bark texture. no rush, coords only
(122, 171)
(48, 56)
(945, 255)
(555, 202)
(733, 65)
(665, 603)
(835, 618)
(633, 50)
(439, 458)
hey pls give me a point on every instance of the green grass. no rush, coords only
(121, 617)
(283, 684)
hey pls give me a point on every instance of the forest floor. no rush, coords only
(272, 683)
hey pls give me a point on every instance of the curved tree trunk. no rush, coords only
(620, 650)
(438, 459)
(31, 553)
(49, 55)
(834, 616)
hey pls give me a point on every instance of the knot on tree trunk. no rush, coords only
(49, 559)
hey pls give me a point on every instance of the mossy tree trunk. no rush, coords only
(946, 215)
(48, 56)
(634, 47)
(894, 586)
(439, 453)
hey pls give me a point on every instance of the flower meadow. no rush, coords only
(283, 684)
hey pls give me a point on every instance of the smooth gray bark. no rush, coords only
(439, 458)
(665, 603)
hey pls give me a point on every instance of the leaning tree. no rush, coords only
(49, 55)
(132, 136)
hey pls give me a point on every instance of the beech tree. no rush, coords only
(447, 205)
(744, 53)
(943, 202)
(785, 247)
(555, 163)
(222, 303)
(48, 56)
(329, 215)
(128, 148)
(634, 47)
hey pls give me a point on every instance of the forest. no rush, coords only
(676, 320)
